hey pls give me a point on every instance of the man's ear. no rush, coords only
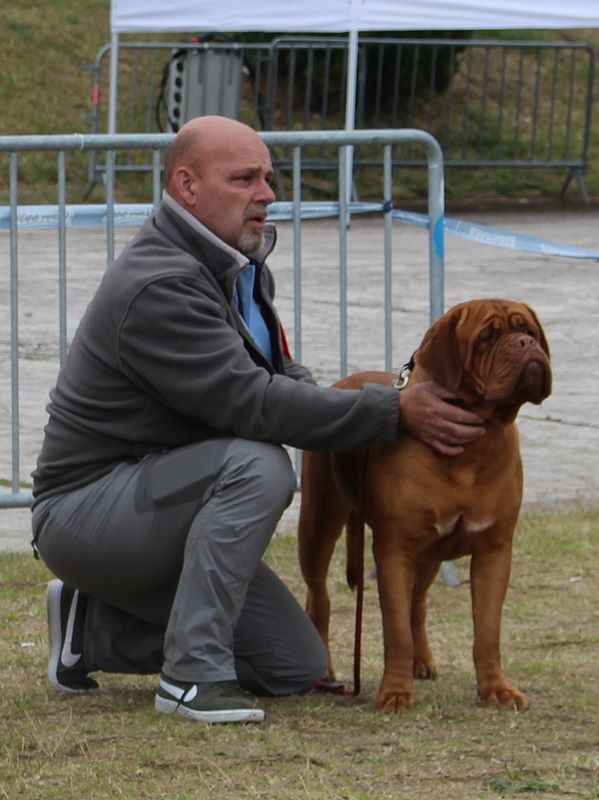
(438, 354)
(183, 185)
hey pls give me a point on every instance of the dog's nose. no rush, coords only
(525, 341)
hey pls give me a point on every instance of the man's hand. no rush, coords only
(426, 411)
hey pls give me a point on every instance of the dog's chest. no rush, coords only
(463, 523)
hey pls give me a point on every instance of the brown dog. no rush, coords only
(425, 508)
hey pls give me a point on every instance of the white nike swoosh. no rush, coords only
(67, 657)
(178, 693)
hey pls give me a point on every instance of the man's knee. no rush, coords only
(266, 468)
(297, 676)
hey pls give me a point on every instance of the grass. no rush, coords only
(44, 91)
(113, 745)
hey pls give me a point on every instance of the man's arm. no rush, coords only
(298, 371)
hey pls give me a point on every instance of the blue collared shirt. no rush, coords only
(245, 302)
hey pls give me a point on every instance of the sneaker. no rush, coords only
(222, 701)
(66, 611)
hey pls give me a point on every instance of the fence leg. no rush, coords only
(579, 175)
(449, 574)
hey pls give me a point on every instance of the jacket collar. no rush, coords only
(269, 241)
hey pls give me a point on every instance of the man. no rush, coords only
(162, 475)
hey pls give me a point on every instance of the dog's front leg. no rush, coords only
(424, 663)
(395, 577)
(489, 576)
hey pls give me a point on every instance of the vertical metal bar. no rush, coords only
(350, 109)
(483, 108)
(570, 95)
(535, 107)
(62, 259)
(413, 85)
(113, 86)
(436, 232)
(343, 189)
(344, 80)
(553, 90)
(396, 86)
(156, 177)
(520, 85)
(465, 110)
(501, 103)
(256, 70)
(431, 88)
(584, 152)
(326, 86)
(133, 94)
(272, 75)
(590, 53)
(291, 89)
(446, 137)
(297, 274)
(109, 207)
(388, 266)
(297, 252)
(14, 323)
(151, 83)
(380, 74)
(361, 87)
(308, 87)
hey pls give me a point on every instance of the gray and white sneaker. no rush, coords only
(222, 701)
(66, 614)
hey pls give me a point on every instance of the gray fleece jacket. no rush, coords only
(162, 359)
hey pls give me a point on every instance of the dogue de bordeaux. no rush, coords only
(425, 508)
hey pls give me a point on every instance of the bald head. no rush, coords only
(198, 139)
(220, 170)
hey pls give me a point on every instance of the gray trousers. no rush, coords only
(169, 552)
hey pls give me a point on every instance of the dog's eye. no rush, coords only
(520, 323)
(486, 338)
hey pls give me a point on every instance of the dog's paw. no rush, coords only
(425, 669)
(503, 696)
(394, 702)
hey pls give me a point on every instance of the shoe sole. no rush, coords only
(165, 706)
(55, 639)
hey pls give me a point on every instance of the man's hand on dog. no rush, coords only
(428, 413)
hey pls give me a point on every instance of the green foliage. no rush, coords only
(44, 90)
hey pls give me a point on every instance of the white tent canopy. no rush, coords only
(337, 16)
(143, 16)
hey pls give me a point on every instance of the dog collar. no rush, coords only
(404, 375)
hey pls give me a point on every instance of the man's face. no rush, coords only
(232, 191)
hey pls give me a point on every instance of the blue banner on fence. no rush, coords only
(492, 236)
(132, 215)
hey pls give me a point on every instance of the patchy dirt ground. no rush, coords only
(326, 747)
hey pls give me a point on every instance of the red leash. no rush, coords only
(360, 525)
(357, 521)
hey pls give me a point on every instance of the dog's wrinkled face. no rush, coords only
(490, 353)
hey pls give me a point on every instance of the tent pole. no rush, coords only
(350, 106)
(114, 76)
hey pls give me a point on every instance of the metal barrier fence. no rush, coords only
(489, 104)
(62, 216)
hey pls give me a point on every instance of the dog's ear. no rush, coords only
(542, 339)
(439, 354)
